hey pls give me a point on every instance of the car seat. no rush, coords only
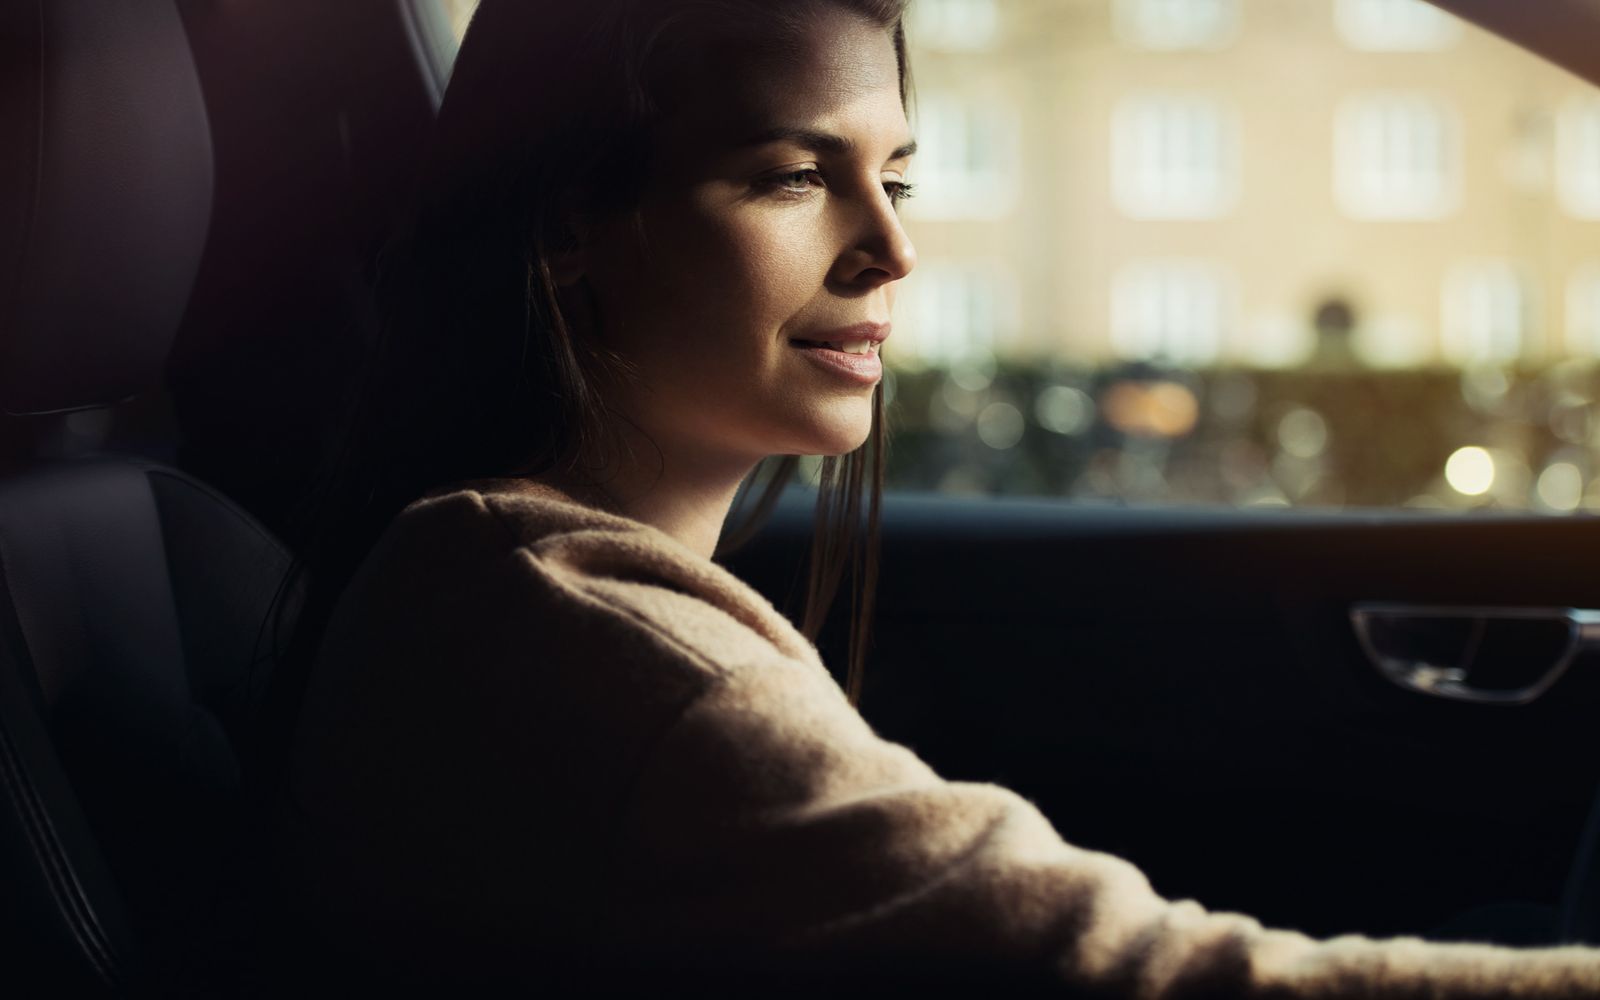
(134, 600)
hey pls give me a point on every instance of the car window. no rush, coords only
(1328, 253)
(459, 13)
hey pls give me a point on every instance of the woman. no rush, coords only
(545, 736)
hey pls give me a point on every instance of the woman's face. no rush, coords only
(770, 252)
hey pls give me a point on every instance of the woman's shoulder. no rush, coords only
(523, 543)
(528, 510)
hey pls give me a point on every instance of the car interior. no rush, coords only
(1267, 711)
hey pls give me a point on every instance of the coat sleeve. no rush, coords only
(772, 833)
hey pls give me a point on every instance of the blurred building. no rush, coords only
(1266, 183)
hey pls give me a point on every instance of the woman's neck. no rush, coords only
(687, 496)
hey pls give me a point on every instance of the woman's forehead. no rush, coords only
(842, 72)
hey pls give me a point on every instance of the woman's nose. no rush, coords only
(879, 250)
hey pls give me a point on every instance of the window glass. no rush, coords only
(1173, 157)
(955, 24)
(1332, 253)
(1578, 156)
(961, 309)
(1394, 25)
(1485, 313)
(1328, 253)
(1176, 24)
(967, 153)
(1583, 309)
(1170, 311)
(1396, 156)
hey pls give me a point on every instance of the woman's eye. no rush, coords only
(802, 182)
(898, 191)
(797, 181)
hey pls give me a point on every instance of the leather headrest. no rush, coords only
(105, 197)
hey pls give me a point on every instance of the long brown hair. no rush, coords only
(474, 370)
(841, 542)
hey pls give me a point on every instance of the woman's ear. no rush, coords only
(567, 260)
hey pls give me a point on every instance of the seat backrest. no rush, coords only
(134, 601)
(134, 649)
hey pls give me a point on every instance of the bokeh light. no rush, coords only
(1560, 487)
(1303, 433)
(1000, 426)
(1470, 471)
(1151, 409)
(1062, 409)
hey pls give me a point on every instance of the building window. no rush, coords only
(967, 159)
(952, 310)
(1583, 311)
(1396, 156)
(1173, 157)
(1176, 24)
(1176, 311)
(1395, 25)
(1578, 157)
(1485, 313)
(954, 25)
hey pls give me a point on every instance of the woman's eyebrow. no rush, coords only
(819, 141)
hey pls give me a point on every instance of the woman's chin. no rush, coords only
(841, 439)
(828, 430)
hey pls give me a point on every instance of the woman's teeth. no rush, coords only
(842, 346)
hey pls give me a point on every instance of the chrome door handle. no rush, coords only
(1486, 655)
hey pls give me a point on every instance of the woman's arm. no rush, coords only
(774, 833)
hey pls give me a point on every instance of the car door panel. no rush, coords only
(1184, 688)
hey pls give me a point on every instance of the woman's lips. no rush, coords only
(857, 361)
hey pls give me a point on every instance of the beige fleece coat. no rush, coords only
(557, 741)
